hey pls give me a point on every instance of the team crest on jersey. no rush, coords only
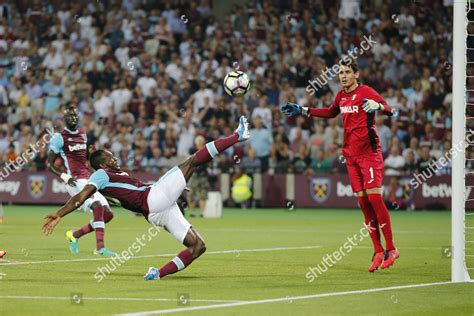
(37, 186)
(320, 189)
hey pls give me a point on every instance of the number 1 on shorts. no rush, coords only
(371, 170)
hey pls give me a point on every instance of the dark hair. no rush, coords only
(96, 158)
(70, 108)
(350, 62)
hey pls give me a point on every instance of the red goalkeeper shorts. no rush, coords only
(365, 171)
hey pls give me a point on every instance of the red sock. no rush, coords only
(108, 216)
(181, 261)
(371, 222)
(213, 148)
(86, 229)
(383, 217)
(99, 225)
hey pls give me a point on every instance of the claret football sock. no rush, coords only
(181, 261)
(215, 147)
(99, 225)
(83, 230)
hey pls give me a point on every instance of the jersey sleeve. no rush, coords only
(99, 179)
(328, 112)
(332, 111)
(56, 143)
(371, 94)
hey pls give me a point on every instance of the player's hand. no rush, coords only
(68, 179)
(293, 109)
(51, 220)
(370, 106)
(91, 149)
(72, 181)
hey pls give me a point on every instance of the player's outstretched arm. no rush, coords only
(293, 109)
(51, 220)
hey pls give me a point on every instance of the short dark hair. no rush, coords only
(70, 108)
(96, 158)
(350, 62)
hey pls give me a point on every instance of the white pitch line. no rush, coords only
(116, 299)
(218, 252)
(311, 231)
(282, 299)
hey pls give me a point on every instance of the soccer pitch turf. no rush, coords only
(256, 263)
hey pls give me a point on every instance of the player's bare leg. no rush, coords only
(2, 253)
(374, 196)
(372, 225)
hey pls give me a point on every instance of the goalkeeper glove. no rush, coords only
(293, 109)
(370, 106)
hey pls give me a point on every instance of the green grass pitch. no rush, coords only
(253, 256)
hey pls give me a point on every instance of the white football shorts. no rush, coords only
(80, 184)
(164, 210)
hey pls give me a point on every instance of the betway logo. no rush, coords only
(344, 190)
(11, 187)
(349, 109)
(77, 147)
(441, 190)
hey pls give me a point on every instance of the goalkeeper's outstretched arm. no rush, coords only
(293, 109)
(328, 112)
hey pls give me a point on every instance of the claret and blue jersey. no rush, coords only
(71, 146)
(131, 192)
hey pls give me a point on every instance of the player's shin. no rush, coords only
(215, 147)
(99, 225)
(371, 222)
(83, 230)
(383, 217)
(181, 261)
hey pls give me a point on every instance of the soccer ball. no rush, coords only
(236, 83)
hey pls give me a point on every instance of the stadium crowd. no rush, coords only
(147, 77)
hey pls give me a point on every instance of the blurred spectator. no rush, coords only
(250, 162)
(261, 141)
(241, 188)
(320, 164)
(425, 161)
(302, 161)
(199, 183)
(394, 163)
(384, 133)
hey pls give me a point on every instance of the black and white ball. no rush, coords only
(236, 83)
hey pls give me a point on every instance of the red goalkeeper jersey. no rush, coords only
(360, 136)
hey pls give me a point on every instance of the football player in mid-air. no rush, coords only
(71, 146)
(358, 104)
(157, 202)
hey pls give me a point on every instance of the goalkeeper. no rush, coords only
(358, 104)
